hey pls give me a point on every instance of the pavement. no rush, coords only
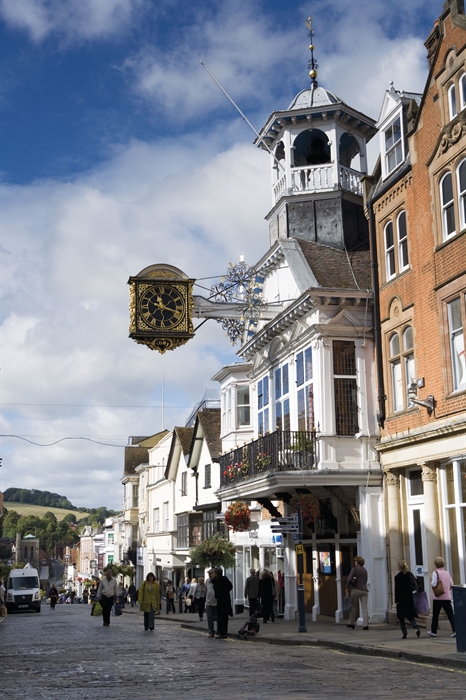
(381, 640)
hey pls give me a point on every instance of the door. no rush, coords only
(328, 600)
(417, 545)
(308, 580)
(347, 554)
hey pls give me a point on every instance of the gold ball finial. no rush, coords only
(311, 47)
(313, 74)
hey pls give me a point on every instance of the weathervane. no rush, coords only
(312, 64)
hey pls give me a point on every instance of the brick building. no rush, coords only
(416, 202)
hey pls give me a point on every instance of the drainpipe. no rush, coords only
(377, 326)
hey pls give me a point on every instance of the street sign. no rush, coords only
(299, 549)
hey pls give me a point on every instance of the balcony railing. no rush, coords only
(315, 178)
(281, 451)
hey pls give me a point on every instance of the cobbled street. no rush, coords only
(66, 654)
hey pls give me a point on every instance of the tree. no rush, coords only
(214, 551)
(10, 524)
(70, 518)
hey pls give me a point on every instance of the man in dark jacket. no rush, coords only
(251, 591)
(222, 588)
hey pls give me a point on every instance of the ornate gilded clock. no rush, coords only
(161, 307)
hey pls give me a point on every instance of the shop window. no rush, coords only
(305, 393)
(345, 387)
(393, 145)
(456, 316)
(448, 205)
(403, 257)
(462, 190)
(452, 101)
(389, 251)
(282, 401)
(242, 406)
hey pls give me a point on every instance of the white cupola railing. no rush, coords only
(316, 178)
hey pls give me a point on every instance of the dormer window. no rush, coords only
(452, 101)
(393, 145)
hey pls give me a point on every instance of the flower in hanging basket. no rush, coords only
(237, 516)
(263, 460)
(230, 472)
(310, 506)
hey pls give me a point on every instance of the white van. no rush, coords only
(23, 591)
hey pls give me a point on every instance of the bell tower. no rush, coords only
(317, 151)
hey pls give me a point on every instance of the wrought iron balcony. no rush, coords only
(281, 451)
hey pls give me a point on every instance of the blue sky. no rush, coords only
(119, 151)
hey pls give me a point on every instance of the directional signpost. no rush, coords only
(292, 525)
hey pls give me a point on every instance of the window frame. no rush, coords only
(392, 149)
(208, 476)
(263, 405)
(461, 193)
(398, 366)
(156, 520)
(403, 250)
(339, 390)
(457, 384)
(462, 90)
(305, 410)
(184, 484)
(452, 102)
(246, 407)
(389, 251)
(447, 206)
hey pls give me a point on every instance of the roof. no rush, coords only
(314, 98)
(185, 435)
(210, 422)
(337, 269)
(134, 456)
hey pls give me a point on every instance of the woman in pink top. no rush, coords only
(443, 600)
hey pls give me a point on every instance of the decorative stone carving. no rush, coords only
(392, 479)
(428, 473)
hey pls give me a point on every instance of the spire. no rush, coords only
(312, 64)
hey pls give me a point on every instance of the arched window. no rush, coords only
(448, 205)
(311, 148)
(403, 257)
(462, 90)
(396, 373)
(462, 192)
(402, 367)
(452, 101)
(389, 251)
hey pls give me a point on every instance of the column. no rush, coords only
(395, 537)
(431, 523)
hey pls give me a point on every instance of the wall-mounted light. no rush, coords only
(428, 402)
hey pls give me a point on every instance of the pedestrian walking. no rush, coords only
(85, 596)
(266, 595)
(149, 600)
(92, 593)
(53, 595)
(132, 594)
(222, 588)
(251, 591)
(200, 596)
(211, 602)
(106, 594)
(183, 594)
(356, 588)
(441, 583)
(192, 595)
(405, 585)
(170, 597)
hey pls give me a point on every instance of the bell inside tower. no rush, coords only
(311, 148)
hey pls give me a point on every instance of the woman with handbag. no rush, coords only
(441, 583)
(356, 588)
(200, 596)
(170, 597)
(404, 582)
(149, 600)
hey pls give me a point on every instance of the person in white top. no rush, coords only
(106, 594)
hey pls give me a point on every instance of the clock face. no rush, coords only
(162, 306)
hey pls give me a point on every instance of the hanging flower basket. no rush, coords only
(310, 506)
(263, 460)
(237, 516)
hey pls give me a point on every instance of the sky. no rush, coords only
(118, 151)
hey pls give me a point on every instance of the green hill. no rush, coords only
(40, 511)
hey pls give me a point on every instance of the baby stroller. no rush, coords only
(250, 628)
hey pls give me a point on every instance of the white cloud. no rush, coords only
(71, 21)
(70, 248)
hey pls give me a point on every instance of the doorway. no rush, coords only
(328, 600)
(308, 580)
(417, 545)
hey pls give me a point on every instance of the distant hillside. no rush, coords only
(38, 498)
(30, 509)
